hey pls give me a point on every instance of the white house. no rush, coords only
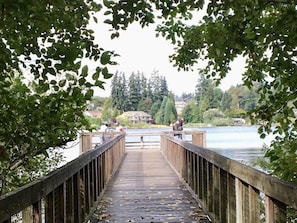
(138, 116)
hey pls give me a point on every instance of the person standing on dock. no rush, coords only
(178, 126)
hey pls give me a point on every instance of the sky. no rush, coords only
(140, 51)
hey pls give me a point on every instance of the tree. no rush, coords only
(170, 113)
(145, 105)
(140, 94)
(207, 96)
(31, 124)
(134, 92)
(109, 112)
(119, 91)
(211, 114)
(263, 32)
(155, 108)
(188, 112)
(44, 84)
(161, 112)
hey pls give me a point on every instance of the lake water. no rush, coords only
(241, 143)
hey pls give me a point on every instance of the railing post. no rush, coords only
(198, 139)
(85, 142)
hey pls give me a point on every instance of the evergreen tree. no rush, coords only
(150, 91)
(145, 105)
(119, 91)
(161, 112)
(134, 92)
(155, 108)
(170, 113)
(188, 112)
(143, 87)
(163, 87)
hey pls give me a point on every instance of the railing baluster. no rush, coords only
(254, 205)
(223, 196)
(76, 197)
(49, 208)
(69, 201)
(216, 199)
(231, 196)
(210, 198)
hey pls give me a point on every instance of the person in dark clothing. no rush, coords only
(178, 126)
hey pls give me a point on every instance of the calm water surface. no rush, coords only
(241, 143)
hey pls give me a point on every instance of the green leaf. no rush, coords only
(89, 94)
(62, 83)
(105, 73)
(53, 82)
(105, 58)
(96, 76)
(84, 71)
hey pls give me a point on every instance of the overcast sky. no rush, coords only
(142, 52)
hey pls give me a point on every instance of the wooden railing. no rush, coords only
(68, 194)
(230, 191)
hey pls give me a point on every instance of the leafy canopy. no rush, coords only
(44, 84)
(264, 32)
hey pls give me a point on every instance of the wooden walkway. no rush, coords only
(146, 189)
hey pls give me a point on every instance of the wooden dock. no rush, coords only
(146, 189)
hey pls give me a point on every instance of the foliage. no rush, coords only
(31, 124)
(44, 82)
(170, 113)
(108, 112)
(119, 91)
(263, 32)
(155, 108)
(145, 105)
(235, 102)
(94, 122)
(211, 114)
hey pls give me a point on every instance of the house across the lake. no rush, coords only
(138, 116)
(237, 121)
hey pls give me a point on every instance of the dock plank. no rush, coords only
(146, 189)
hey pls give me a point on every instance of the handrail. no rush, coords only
(229, 190)
(70, 193)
